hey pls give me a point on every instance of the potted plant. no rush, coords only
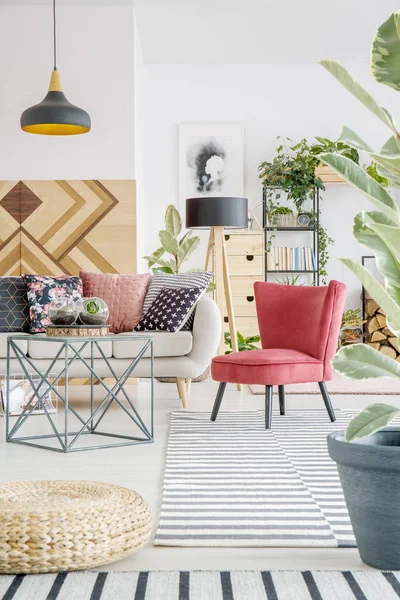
(244, 343)
(368, 456)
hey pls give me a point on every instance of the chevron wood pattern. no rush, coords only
(60, 227)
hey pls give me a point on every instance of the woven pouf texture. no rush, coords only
(50, 526)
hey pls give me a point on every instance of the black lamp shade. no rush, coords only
(218, 211)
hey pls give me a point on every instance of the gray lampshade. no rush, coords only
(207, 211)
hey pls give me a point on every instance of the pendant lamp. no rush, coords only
(55, 115)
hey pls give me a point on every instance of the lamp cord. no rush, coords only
(54, 35)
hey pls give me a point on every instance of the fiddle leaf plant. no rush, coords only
(378, 230)
(178, 248)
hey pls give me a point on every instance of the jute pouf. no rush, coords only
(50, 526)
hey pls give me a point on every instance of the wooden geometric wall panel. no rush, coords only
(61, 227)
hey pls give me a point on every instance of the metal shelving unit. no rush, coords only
(312, 229)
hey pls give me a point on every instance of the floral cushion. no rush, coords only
(42, 290)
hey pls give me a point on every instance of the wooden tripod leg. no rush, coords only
(219, 278)
(229, 302)
(210, 247)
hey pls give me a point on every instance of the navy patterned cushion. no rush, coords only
(14, 308)
(198, 279)
(170, 310)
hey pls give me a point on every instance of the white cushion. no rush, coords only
(37, 348)
(165, 343)
(23, 344)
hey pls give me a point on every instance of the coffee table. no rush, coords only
(42, 383)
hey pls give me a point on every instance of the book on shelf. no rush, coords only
(283, 258)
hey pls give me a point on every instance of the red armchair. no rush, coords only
(299, 328)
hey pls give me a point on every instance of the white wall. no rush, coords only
(95, 60)
(270, 100)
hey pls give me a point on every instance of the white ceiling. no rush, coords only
(250, 31)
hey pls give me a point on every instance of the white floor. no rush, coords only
(141, 468)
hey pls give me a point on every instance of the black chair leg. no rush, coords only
(268, 406)
(218, 400)
(327, 400)
(281, 391)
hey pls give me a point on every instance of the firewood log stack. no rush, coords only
(379, 335)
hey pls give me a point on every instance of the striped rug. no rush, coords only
(204, 585)
(232, 483)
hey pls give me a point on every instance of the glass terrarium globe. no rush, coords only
(93, 311)
(63, 311)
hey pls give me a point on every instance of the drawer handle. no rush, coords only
(226, 320)
(250, 257)
(249, 298)
(227, 237)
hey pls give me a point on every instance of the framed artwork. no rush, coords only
(211, 160)
(21, 392)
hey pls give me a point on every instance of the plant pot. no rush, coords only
(369, 471)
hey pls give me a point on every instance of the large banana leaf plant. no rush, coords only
(378, 229)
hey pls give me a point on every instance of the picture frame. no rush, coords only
(210, 161)
(21, 392)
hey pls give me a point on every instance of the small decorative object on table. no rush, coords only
(63, 311)
(77, 330)
(93, 311)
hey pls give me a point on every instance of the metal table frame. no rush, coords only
(90, 425)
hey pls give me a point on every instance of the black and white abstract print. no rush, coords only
(210, 160)
(207, 161)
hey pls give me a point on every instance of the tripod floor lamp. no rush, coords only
(216, 214)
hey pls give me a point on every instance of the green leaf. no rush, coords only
(187, 248)
(350, 137)
(156, 260)
(378, 293)
(185, 237)
(393, 177)
(365, 233)
(159, 252)
(360, 361)
(357, 177)
(392, 146)
(168, 242)
(344, 77)
(164, 270)
(385, 54)
(172, 220)
(369, 421)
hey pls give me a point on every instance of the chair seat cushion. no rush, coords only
(275, 366)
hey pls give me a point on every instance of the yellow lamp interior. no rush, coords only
(55, 129)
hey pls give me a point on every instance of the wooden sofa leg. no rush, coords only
(188, 384)
(182, 391)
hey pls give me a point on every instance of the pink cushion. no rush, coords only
(124, 295)
(275, 366)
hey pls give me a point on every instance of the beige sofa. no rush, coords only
(184, 354)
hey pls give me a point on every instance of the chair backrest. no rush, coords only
(304, 318)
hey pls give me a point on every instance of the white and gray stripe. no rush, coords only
(203, 585)
(233, 483)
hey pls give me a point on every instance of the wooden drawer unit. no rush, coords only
(249, 264)
(244, 306)
(245, 251)
(243, 286)
(245, 325)
(245, 242)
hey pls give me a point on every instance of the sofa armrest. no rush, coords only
(206, 333)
